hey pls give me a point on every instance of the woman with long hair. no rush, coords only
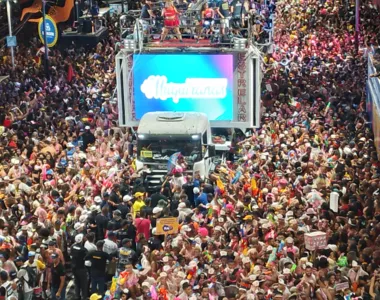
(171, 21)
(207, 15)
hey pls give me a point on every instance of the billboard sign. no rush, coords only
(51, 31)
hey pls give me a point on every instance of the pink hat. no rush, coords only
(283, 181)
(229, 207)
(203, 232)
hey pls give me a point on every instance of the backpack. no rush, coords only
(20, 290)
(32, 276)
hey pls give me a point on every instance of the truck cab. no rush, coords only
(161, 134)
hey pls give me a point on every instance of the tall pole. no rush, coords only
(357, 25)
(46, 62)
(10, 30)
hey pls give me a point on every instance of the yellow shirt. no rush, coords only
(137, 207)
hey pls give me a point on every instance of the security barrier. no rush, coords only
(373, 99)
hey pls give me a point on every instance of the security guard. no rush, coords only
(78, 253)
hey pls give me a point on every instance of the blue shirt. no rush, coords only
(201, 199)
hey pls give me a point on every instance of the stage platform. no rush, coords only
(83, 39)
(176, 43)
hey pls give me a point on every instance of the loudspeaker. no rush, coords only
(87, 26)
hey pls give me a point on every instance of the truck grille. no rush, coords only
(157, 176)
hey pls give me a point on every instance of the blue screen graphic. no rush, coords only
(183, 83)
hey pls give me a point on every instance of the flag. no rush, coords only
(37, 60)
(153, 293)
(272, 256)
(220, 185)
(237, 177)
(173, 161)
(70, 73)
(327, 108)
(253, 185)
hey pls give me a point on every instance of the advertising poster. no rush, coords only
(167, 226)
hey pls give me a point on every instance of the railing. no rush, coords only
(139, 33)
(373, 99)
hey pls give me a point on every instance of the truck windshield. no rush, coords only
(152, 148)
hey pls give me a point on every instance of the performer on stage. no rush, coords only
(171, 21)
(208, 15)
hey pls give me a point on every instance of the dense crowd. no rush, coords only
(73, 204)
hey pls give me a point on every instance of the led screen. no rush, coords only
(184, 82)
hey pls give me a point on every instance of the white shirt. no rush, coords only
(109, 246)
(90, 247)
(25, 188)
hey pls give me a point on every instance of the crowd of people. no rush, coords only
(74, 207)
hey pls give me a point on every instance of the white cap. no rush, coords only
(289, 240)
(79, 238)
(196, 190)
(157, 210)
(289, 213)
(181, 274)
(83, 218)
(354, 263)
(218, 228)
(193, 264)
(246, 260)
(252, 277)
(98, 200)
(77, 226)
(286, 271)
(185, 228)
(182, 205)
(127, 198)
(87, 128)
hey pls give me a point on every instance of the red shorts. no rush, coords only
(171, 23)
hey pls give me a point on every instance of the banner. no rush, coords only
(167, 226)
(315, 240)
